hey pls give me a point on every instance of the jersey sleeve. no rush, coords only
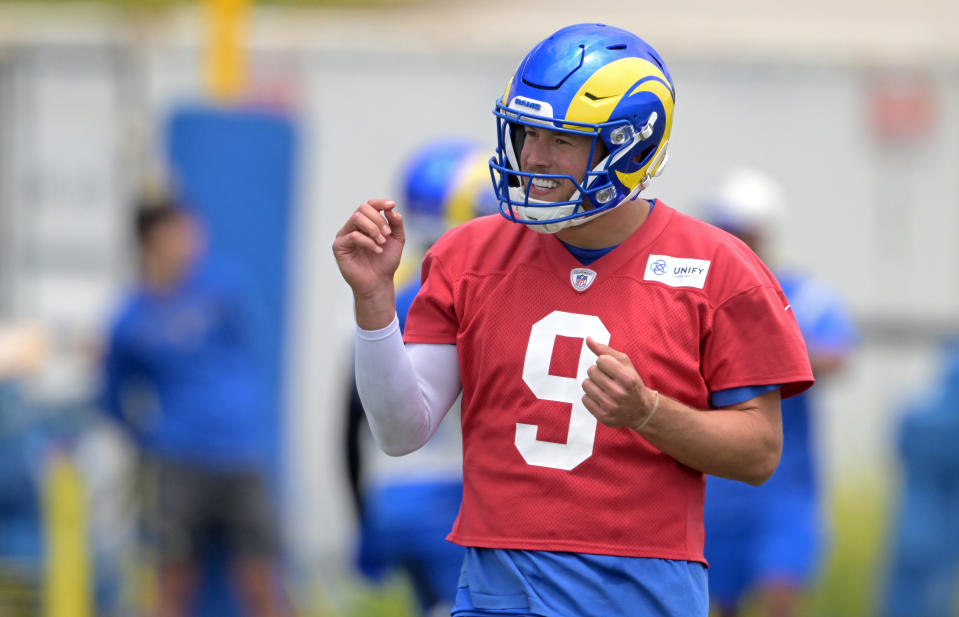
(432, 315)
(755, 340)
(734, 396)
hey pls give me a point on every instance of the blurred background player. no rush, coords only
(407, 505)
(180, 376)
(768, 539)
(924, 557)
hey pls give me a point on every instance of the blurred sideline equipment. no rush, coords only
(407, 505)
(68, 591)
(226, 63)
(768, 539)
(923, 566)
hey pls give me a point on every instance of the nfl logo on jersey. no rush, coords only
(581, 278)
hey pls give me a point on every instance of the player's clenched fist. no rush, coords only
(614, 391)
(368, 247)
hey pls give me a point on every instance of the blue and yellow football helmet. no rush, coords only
(443, 183)
(587, 79)
(446, 183)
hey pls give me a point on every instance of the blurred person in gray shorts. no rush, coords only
(180, 375)
(194, 505)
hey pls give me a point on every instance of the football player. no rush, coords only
(609, 349)
(923, 546)
(407, 505)
(767, 540)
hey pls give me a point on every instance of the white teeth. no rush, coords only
(542, 183)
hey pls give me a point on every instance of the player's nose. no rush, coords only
(535, 155)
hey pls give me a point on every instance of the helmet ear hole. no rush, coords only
(643, 155)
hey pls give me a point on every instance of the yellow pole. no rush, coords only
(225, 62)
(67, 585)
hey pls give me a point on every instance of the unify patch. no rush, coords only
(676, 271)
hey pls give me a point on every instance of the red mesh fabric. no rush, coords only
(502, 293)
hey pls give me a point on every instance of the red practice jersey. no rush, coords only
(694, 309)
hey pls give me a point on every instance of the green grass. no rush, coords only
(354, 598)
(849, 584)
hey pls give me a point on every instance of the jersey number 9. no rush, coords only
(582, 424)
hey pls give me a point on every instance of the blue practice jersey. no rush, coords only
(180, 371)
(404, 298)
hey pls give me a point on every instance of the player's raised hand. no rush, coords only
(614, 392)
(369, 246)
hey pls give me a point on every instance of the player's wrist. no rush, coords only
(375, 308)
(652, 408)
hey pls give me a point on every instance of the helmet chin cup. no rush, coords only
(541, 210)
(535, 210)
(554, 226)
(551, 228)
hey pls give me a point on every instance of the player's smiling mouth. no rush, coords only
(544, 186)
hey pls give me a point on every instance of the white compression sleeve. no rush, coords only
(405, 390)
